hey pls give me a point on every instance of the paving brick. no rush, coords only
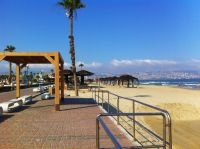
(39, 126)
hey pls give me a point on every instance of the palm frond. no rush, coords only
(71, 4)
(9, 48)
(60, 3)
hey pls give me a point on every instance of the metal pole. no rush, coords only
(164, 133)
(170, 134)
(97, 134)
(108, 102)
(118, 110)
(133, 121)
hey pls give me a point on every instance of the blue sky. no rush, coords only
(110, 35)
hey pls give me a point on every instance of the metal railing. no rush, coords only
(107, 130)
(166, 138)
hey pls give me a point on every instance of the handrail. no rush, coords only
(166, 113)
(108, 132)
(112, 137)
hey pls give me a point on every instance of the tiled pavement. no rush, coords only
(39, 126)
(5, 96)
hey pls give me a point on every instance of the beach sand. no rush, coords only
(183, 105)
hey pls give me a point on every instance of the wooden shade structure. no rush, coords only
(127, 78)
(21, 59)
(67, 73)
(82, 74)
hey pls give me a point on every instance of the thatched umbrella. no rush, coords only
(113, 80)
(67, 73)
(82, 74)
(128, 78)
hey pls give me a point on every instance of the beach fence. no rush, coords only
(149, 126)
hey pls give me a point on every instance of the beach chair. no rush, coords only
(11, 105)
(38, 89)
(46, 96)
(46, 88)
(26, 99)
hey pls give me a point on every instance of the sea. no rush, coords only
(183, 83)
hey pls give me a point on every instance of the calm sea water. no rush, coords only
(186, 83)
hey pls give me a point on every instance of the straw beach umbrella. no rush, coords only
(128, 79)
(82, 74)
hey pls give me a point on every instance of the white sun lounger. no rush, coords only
(38, 89)
(46, 96)
(26, 99)
(11, 105)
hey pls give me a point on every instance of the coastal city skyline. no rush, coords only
(147, 35)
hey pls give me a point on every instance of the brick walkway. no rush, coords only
(5, 96)
(39, 126)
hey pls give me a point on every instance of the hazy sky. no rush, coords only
(110, 35)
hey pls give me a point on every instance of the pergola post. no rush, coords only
(17, 80)
(82, 80)
(62, 81)
(57, 83)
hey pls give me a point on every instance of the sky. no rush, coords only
(111, 36)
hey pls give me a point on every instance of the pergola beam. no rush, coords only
(50, 59)
(2, 57)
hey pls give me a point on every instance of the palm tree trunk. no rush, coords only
(72, 52)
(10, 71)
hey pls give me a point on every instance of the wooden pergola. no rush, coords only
(21, 59)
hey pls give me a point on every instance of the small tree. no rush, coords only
(10, 48)
(81, 65)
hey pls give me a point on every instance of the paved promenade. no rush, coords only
(39, 126)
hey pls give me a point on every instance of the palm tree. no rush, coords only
(10, 48)
(71, 6)
(81, 65)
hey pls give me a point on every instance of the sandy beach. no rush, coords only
(183, 105)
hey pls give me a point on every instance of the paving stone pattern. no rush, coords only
(38, 126)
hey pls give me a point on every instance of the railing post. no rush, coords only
(118, 110)
(108, 102)
(170, 133)
(134, 120)
(164, 132)
(102, 99)
(97, 134)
